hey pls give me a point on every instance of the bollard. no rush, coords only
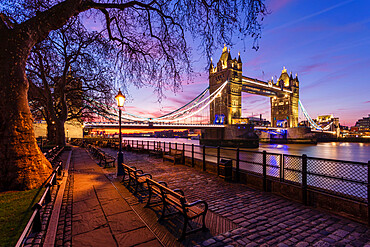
(304, 179)
(264, 172)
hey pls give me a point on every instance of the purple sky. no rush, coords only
(326, 42)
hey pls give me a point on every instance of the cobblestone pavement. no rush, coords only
(264, 219)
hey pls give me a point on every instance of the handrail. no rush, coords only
(34, 223)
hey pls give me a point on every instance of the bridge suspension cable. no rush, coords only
(188, 110)
(305, 113)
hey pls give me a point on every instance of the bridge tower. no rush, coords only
(228, 105)
(284, 106)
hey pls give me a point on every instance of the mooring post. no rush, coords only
(264, 163)
(304, 179)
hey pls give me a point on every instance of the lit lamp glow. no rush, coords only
(120, 102)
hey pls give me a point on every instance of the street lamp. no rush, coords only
(120, 101)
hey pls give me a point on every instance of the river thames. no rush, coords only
(359, 152)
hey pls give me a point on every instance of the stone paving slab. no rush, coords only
(264, 219)
(100, 216)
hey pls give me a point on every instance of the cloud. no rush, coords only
(274, 5)
(309, 16)
(313, 68)
(367, 102)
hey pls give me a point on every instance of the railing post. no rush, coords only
(281, 167)
(147, 144)
(237, 168)
(183, 153)
(304, 179)
(204, 158)
(368, 193)
(169, 148)
(164, 147)
(48, 193)
(264, 164)
(36, 226)
(218, 160)
(192, 155)
(175, 145)
(54, 182)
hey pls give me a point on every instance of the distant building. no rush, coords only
(363, 123)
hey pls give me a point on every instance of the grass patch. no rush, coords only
(15, 211)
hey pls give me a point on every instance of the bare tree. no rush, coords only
(151, 37)
(65, 72)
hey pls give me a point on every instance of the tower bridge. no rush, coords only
(284, 93)
(223, 122)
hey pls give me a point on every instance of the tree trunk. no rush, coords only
(51, 135)
(22, 164)
(60, 134)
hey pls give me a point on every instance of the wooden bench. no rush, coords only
(138, 148)
(176, 199)
(136, 178)
(106, 159)
(157, 151)
(173, 154)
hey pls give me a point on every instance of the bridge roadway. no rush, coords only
(145, 125)
(150, 125)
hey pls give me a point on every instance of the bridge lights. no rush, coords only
(120, 101)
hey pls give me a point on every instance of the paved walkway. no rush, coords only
(263, 219)
(100, 216)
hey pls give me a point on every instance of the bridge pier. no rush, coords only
(237, 135)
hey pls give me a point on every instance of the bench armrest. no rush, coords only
(179, 191)
(196, 203)
(163, 183)
(139, 171)
(145, 174)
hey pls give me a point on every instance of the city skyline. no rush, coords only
(325, 43)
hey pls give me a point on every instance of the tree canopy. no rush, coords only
(151, 42)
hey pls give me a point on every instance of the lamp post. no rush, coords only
(120, 101)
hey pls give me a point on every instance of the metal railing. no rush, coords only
(344, 179)
(34, 224)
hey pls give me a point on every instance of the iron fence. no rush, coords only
(342, 178)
